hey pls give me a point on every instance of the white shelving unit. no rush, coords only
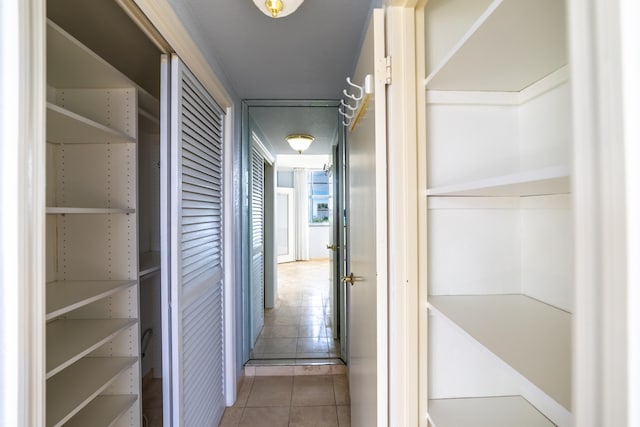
(92, 308)
(531, 337)
(75, 387)
(499, 213)
(70, 340)
(102, 411)
(502, 411)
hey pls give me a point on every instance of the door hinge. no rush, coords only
(387, 61)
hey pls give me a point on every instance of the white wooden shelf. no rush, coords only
(149, 263)
(70, 64)
(504, 411)
(103, 411)
(65, 296)
(547, 181)
(90, 211)
(69, 340)
(513, 44)
(67, 127)
(75, 387)
(532, 337)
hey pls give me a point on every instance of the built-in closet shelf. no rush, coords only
(67, 127)
(89, 211)
(512, 45)
(149, 263)
(65, 296)
(70, 64)
(75, 387)
(547, 181)
(68, 340)
(103, 411)
(149, 119)
(532, 337)
(503, 411)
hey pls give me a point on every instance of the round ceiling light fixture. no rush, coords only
(277, 8)
(299, 142)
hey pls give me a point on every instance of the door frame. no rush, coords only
(243, 328)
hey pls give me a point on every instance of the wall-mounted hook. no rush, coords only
(349, 106)
(344, 113)
(359, 88)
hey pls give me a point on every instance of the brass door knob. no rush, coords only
(351, 279)
(333, 247)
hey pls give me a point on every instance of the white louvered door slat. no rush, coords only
(257, 244)
(196, 257)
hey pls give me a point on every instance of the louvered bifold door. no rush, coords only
(196, 211)
(257, 244)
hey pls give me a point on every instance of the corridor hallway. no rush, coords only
(300, 325)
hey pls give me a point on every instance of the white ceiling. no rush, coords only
(306, 55)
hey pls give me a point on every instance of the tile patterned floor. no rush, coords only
(291, 401)
(300, 325)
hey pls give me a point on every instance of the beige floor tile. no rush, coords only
(243, 392)
(280, 331)
(307, 416)
(270, 391)
(312, 331)
(344, 416)
(312, 345)
(313, 390)
(231, 417)
(265, 417)
(276, 345)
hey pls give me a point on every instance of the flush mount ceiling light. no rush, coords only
(299, 142)
(277, 8)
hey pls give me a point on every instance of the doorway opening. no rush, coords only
(295, 307)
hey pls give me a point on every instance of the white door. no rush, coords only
(257, 244)
(366, 145)
(192, 263)
(286, 226)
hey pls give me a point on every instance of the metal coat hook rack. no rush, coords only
(357, 100)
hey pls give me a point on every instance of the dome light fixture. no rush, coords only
(299, 142)
(277, 8)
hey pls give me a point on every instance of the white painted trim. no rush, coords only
(544, 85)
(450, 97)
(472, 203)
(230, 326)
(630, 34)
(403, 218)
(262, 149)
(163, 17)
(600, 376)
(22, 218)
(381, 223)
(422, 336)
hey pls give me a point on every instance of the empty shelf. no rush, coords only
(71, 339)
(85, 211)
(67, 127)
(511, 46)
(103, 411)
(532, 337)
(72, 389)
(506, 411)
(553, 180)
(149, 263)
(64, 296)
(70, 64)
